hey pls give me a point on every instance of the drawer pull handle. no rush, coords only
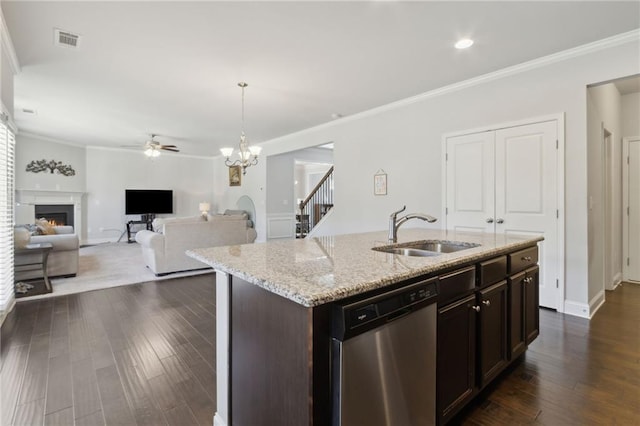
(490, 220)
(527, 258)
(486, 302)
(500, 221)
(476, 308)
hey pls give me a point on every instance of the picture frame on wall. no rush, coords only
(235, 176)
(380, 183)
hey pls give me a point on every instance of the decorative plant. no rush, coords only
(37, 166)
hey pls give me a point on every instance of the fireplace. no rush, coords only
(56, 214)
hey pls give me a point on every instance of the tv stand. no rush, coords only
(145, 219)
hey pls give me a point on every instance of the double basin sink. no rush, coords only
(426, 248)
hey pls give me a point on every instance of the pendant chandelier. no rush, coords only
(248, 154)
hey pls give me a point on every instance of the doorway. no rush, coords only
(612, 200)
(631, 215)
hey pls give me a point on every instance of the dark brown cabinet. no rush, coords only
(524, 317)
(484, 328)
(492, 335)
(456, 371)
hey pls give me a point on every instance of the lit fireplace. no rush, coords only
(55, 214)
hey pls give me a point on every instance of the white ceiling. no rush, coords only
(172, 68)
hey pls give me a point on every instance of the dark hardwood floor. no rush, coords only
(141, 354)
(145, 354)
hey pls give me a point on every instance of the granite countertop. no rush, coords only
(315, 271)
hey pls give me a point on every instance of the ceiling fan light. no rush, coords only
(227, 152)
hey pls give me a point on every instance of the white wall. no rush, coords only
(103, 174)
(6, 83)
(281, 191)
(631, 115)
(113, 171)
(604, 111)
(29, 148)
(405, 141)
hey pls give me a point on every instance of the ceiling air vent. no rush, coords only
(66, 39)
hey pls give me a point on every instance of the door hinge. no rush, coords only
(446, 156)
(628, 261)
(627, 210)
(446, 210)
(557, 283)
(627, 160)
(557, 144)
(557, 214)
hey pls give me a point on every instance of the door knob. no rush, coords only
(486, 302)
(490, 220)
(476, 308)
(500, 221)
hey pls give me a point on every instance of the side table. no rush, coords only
(44, 249)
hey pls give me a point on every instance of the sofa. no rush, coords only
(163, 249)
(63, 258)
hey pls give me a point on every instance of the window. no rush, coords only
(7, 184)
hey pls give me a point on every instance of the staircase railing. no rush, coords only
(316, 205)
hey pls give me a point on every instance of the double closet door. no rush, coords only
(505, 181)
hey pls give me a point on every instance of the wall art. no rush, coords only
(37, 166)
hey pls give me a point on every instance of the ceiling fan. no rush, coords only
(152, 147)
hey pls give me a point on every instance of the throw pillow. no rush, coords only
(45, 227)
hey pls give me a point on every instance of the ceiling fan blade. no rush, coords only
(170, 149)
(168, 146)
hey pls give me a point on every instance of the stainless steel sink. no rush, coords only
(426, 248)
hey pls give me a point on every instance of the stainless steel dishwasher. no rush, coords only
(384, 358)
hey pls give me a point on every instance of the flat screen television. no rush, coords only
(148, 201)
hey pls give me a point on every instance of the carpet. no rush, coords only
(109, 265)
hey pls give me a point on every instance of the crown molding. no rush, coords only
(49, 139)
(7, 45)
(617, 40)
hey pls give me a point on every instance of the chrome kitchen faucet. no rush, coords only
(395, 223)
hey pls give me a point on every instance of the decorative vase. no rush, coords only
(21, 237)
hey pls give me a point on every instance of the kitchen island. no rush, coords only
(274, 303)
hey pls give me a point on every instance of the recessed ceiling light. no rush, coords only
(464, 43)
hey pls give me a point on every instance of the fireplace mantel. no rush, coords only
(26, 199)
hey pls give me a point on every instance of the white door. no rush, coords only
(505, 181)
(632, 224)
(526, 194)
(470, 182)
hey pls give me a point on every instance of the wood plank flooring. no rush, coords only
(145, 355)
(132, 355)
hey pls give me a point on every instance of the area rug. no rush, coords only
(108, 265)
(30, 288)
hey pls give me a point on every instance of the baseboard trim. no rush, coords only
(596, 303)
(617, 280)
(218, 421)
(576, 309)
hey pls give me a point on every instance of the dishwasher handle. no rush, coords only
(353, 318)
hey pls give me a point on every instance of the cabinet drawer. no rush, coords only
(456, 285)
(523, 259)
(492, 271)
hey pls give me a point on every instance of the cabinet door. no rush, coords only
(492, 331)
(517, 339)
(455, 381)
(531, 303)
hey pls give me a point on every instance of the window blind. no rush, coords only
(7, 185)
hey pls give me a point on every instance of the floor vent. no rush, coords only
(67, 39)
